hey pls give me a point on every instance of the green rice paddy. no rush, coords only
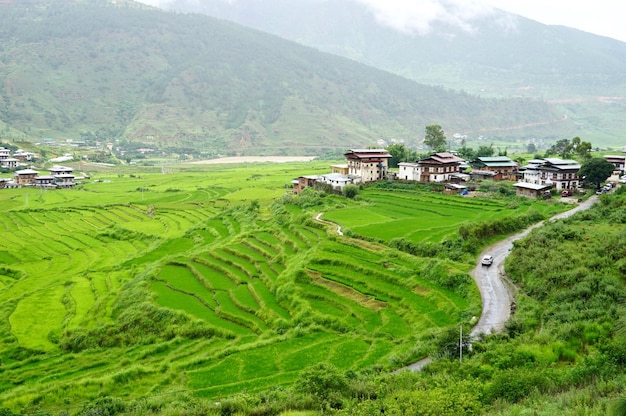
(141, 283)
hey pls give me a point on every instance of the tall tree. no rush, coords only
(562, 148)
(596, 170)
(582, 149)
(435, 138)
(399, 153)
(485, 151)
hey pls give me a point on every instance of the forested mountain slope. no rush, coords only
(120, 71)
(489, 53)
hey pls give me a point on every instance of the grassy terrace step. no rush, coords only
(233, 258)
(215, 277)
(380, 289)
(234, 273)
(348, 313)
(178, 300)
(266, 299)
(264, 243)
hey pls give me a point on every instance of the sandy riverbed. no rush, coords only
(252, 159)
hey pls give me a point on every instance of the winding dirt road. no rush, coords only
(496, 291)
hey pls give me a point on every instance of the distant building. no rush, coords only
(63, 176)
(532, 190)
(9, 163)
(25, 177)
(408, 171)
(618, 161)
(557, 173)
(368, 164)
(307, 181)
(438, 167)
(502, 166)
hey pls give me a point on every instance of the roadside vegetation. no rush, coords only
(149, 293)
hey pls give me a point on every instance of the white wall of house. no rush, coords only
(409, 171)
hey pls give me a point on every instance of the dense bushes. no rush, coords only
(501, 226)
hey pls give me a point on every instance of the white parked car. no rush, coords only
(487, 260)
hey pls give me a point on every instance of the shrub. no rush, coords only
(350, 191)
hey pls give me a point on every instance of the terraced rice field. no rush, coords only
(145, 284)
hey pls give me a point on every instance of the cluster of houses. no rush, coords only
(23, 175)
(533, 180)
(59, 177)
(13, 161)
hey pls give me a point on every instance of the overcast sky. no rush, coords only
(602, 17)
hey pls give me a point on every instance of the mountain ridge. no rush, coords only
(126, 72)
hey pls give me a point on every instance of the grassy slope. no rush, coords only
(241, 288)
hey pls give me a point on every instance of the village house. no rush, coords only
(481, 175)
(4, 153)
(25, 177)
(408, 171)
(44, 182)
(557, 173)
(438, 167)
(24, 156)
(502, 166)
(306, 181)
(532, 190)
(618, 161)
(9, 163)
(368, 165)
(364, 165)
(63, 176)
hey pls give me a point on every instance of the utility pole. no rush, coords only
(461, 344)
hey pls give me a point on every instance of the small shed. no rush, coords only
(481, 175)
(532, 190)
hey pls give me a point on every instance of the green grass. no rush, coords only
(280, 296)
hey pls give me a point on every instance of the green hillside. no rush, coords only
(499, 54)
(106, 71)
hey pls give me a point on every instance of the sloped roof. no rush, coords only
(441, 158)
(498, 161)
(367, 153)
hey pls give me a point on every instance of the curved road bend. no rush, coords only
(495, 292)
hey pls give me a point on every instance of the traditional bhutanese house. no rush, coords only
(502, 166)
(63, 176)
(558, 173)
(408, 171)
(44, 182)
(368, 164)
(302, 182)
(4, 153)
(4, 182)
(9, 163)
(341, 169)
(618, 161)
(532, 190)
(438, 167)
(25, 177)
(23, 156)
